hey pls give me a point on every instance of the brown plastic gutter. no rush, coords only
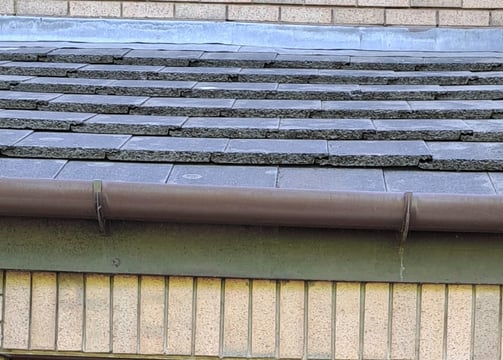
(250, 206)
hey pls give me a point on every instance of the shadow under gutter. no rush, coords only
(104, 200)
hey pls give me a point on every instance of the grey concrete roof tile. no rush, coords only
(229, 127)
(234, 90)
(341, 179)
(275, 108)
(161, 57)
(279, 75)
(239, 59)
(497, 181)
(399, 63)
(316, 91)
(96, 103)
(41, 120)
(30, 168)
(39, 69)
(199, 73)
(67, 145)
(115, 171)
(23, 53)
(90, 55)
(462, 156)
(312, 61)
(148, 148)
(184, 106)
(365, 109)
(397, 92)
(469, 92)
(6, 81)
(272, 151)
(487, 78)
(148, 87)
(376, 153)
(25, 100)
(461, 109)
(325, 128)
(63, 85)
(131, 124)
(420, 129)
(127, 72)
(438, 182)
(10, 137)
(485, 130)
(224, 175)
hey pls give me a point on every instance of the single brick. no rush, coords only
(436, 3)
(70, 311)
(152, 301)
(331, 2)
(7, 7)
(404, 322)
(46, 7)
(160, 10)
(486, 339)
(97, 313)
(375, 337)
(253, 12)
(482, 4)
(319, 320)
(463, 18)
(17, 310)
(236, 311)
(208, 316)
(125, 314)
(384, 3)
(95, 8)
(180, 322)
(411, 17)
(302, 14)
(200, 11)
(459, 320)
(291, 326)
(347, 320)
(497, 18)
(263, 318)
(43, 311)
(360, 16)
(432, 322)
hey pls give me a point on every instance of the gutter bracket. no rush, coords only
(98, 204)
(404, 231)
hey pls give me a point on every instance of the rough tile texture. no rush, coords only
(30, 168)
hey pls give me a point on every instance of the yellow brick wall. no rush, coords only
(241, 318)
(472, 13)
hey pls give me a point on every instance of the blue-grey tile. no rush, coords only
(148, 148)
(24, 100)
(96, 103)
(341, 179)
(39, 68)
(272, 151)
(7, 81)
(63, 85)
(376, 153)
(115, 171)
(161, 57)
(30, 168)
(485, 130)
(10, 137)
(67, 145)
(89, 55)
(460, 109)
(41, 120)
(184, 106)
(438, 182)
(148, 87)
(251, 59)
(23, 53)
(422, 129)
(199, 73)
(275, 108)
(224, 175)
(131, 124)
(365, 109)
(325, 128)
(119, 71)
(228, 127)
(483, 156)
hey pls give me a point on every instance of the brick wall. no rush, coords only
(163, 316)
(472, 13)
